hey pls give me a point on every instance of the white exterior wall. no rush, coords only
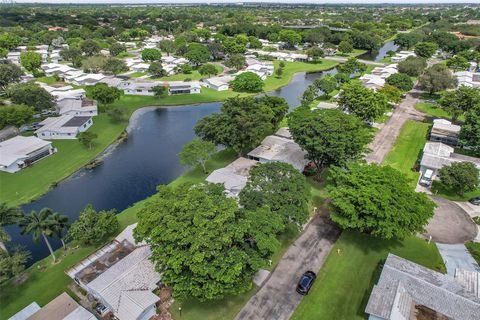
(139, 92)
(14, 166)
(54, 135)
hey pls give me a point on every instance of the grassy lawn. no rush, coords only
(440, 189)
(47, 80)
(137, 74)
(354, 53)
(474, 248)
(433, 111)
(344, 283)
(407, 148)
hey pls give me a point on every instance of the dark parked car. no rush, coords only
(475, 201)
(306, 282)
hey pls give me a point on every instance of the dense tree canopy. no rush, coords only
(30, 60)
(202, 243)
(412, 66)
(247, 82)
(105, 94)
(330, 137)
(459, 101)
(377, 200)
(470, 130)
(437, 78)
(31, 94)
(460, 177)
(197, 152)
(9, 73)
(15, 115)
(92, 227)
(151, 55)
(280, 187)
(425, 49)
(400, 80)
(197, 53)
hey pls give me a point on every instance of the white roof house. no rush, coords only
(183, 87)
(26, 312)
(63, 127)
(403, 55)
(121, 276)
(406, 289)
(468, 78)
(139, 87)
(62, 307)
(77, 107)
(63, 92)
(444, 131)
(436, 155)
(234, 176)
(376, 79)
(19, 152)
(275, 148)
(218, 83)
(88, 79)
(56, 68)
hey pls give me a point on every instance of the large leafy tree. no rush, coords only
(151, 54)
(9, 73)
(408, 39)
(470, 130)
(460, 177)
(202, 243)
(236, 61)
(9, 40)
(459, 101)
(315, 54)
(208, 70)
(458, 63)
(105, 94)
(362, 102)
(280, 187)
(352, 66)
(197, 53)
(377, 200)
(30, 60)
(330, 137)
(290, 37)
(156, 69)
(241, 124)
(197, 152)
(326, 84)
(8, 216)
(400, 80)
(247, 82)
(167, 46)
(413, 66)
(15, 115)
(114, 65)
(31, 94)
(39, 224)
(437, 78)
(92, 227)
(90, 47)
(87, 138)
(117, 48)
(12, 264)
(425, 49)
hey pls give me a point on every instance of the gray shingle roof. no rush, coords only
(439, 292)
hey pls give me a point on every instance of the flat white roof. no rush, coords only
(63, 124)
(18, 148)
(234, 176)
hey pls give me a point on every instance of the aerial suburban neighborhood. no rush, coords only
(239, 160)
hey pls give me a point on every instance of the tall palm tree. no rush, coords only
(60, 227)
(8, 215)
(39, 224)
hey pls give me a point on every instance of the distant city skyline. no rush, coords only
(346, 2)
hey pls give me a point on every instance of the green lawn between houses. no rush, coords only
(344, 283)
(407, 148)
(195, 75)
(30, 183)
(435, 111)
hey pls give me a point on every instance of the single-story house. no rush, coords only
(63, 127)
(183, 87)
(468, 78)
(113, 82)
(218, 83)
(407, 290)
(26, 312)
(14, 57)
(89, 79)
(62, 307)
(444, 131)
(263, 70)
(279, 149)
(326, 105)
(121, 276)
(51, 69)
(402, 56)
(436, 155)
(77, 107)
(142, 88)
(20, 152)
(234, 176)
(63, 92)
(376, 79)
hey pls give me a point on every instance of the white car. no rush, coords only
(426, 179)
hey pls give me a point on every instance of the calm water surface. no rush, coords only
(132, 171)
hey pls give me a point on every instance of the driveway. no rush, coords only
(457, 256)
(277, 298)
(386, 137)
(450, 224)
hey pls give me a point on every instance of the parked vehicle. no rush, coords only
(426, 179)
(475, 201)
(306, 282)
(101, 309)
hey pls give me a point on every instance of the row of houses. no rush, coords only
(279, 147)
(376, 79)
(468, 78)
(14, 55)
(282, 56)
(402, 56)
(170, 64)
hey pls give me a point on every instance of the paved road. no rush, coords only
(457, 256)
(450, 224)
(277, 299)
(386, 137)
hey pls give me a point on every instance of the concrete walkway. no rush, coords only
(457, 256)
(277, 299)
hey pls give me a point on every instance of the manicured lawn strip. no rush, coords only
(354, 53)
(474, 249)
(48, 80)
(137, 74)
(439, 189)
(407, 148)
(344, 283)
(433, 110)
(272, 83)
(44, 285)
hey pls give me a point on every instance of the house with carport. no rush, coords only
(20, 152)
